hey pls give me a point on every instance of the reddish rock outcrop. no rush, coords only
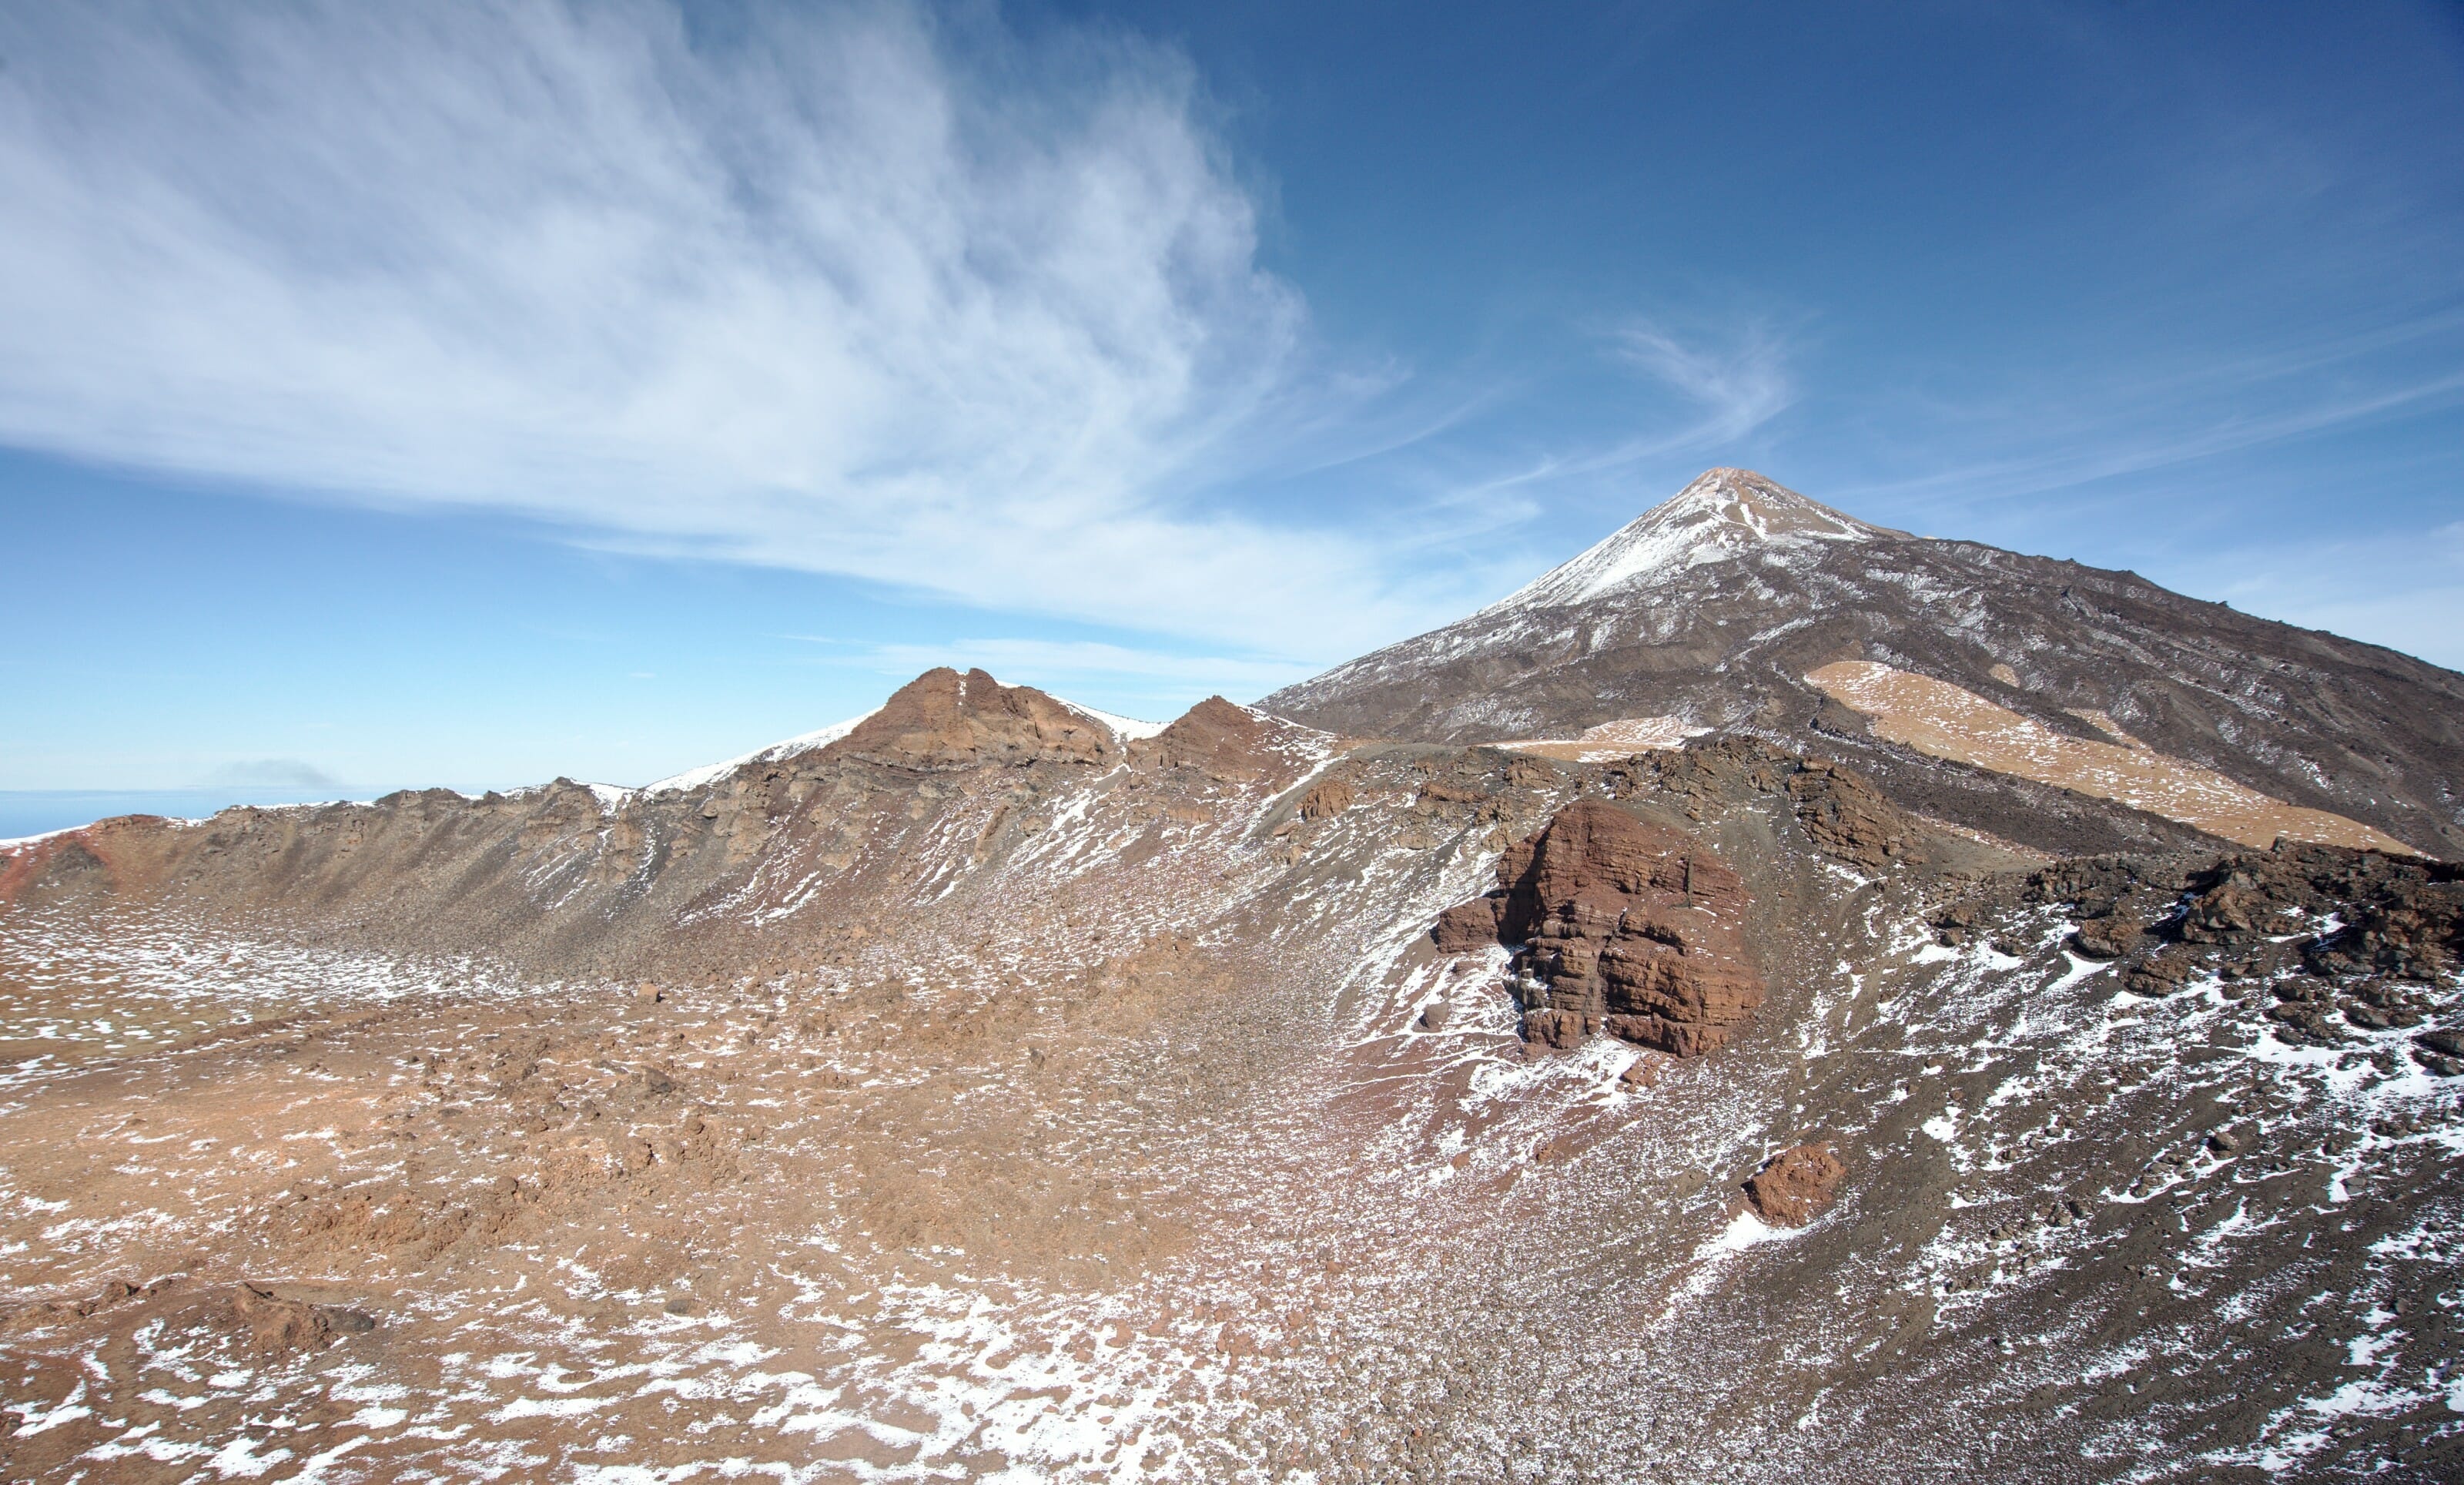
(1226, 742)
(108, 856)
(943, 720)
(1796, 1185)
(1847, 818)
(1626, 927)
(1331, 797)
(276, 1324)
(1469, 925)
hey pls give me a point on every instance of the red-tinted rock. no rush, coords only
(2109, 937)
(943, 720)
(1846, 817)
(1226, 742)
(284, 1326)
(1560, 1029)
(1632, 928)
(1331, 797)
(1796, 1185)
(1468, 926)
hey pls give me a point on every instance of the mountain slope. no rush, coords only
(1712, 609)
(990, 1089)
(1015, 1101)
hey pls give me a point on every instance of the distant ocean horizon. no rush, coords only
(27, 813)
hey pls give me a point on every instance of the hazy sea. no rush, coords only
(33, 812)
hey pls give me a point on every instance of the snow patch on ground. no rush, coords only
(1128, 728)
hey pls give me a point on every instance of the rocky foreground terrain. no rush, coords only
(994, 1090)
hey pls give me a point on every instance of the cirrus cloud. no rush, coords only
(861, 290)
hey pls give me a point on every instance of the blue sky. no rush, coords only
(472, 394)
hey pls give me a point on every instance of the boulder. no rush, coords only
(1467, 927)
(279, 1325)
(1796, 1185)
(2110, 936)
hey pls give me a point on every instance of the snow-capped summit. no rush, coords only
(1709, 613)
(1725, 513)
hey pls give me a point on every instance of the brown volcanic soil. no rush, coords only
(1080, 1111)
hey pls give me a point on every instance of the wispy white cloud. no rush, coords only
(2405, 593)
(861, 289)
(1732, 383)
(2069, 446)
(1737, 386)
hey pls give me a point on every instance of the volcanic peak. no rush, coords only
(1231, 742)
(944, 719)
(1725, 513)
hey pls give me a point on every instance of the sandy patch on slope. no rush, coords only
(1621, 738)
(1938, 718)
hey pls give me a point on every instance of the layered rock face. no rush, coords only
(1626, 928)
